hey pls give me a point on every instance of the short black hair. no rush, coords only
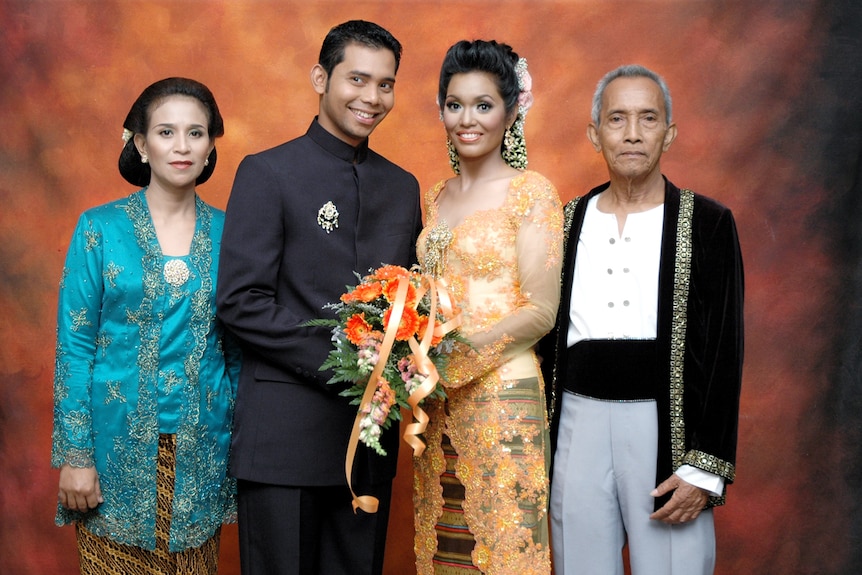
(355, 32)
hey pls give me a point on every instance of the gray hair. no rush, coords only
(629, 71)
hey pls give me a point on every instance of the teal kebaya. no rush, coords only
(140, 353)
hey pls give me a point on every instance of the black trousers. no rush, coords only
(310, 530)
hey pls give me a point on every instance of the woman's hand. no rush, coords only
(79, 488)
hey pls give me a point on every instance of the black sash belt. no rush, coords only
(613, 369)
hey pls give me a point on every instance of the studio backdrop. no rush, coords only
(767, 101)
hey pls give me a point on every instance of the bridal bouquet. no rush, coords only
(394, 332)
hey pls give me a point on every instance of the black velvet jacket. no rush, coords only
(699, 333)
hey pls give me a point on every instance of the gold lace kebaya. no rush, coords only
(481, 486)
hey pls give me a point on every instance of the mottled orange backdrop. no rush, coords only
(767, 102)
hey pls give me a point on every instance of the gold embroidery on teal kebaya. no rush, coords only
(114, 392)
(135, 316)
(171, 379)
(79, 319)
(103, 340)
(65, 448)
(110, 274)
(61, 374)
(201, 463)
(78, 423)
(92, 240)
(142, 420)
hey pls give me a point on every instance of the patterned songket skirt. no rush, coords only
(454, 541)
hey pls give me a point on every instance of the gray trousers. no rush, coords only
(604, 471)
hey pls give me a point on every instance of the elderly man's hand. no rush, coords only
(685, 504)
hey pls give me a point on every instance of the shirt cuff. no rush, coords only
(705, 480)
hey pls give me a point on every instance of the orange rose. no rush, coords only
(357, 328)
(408, 325)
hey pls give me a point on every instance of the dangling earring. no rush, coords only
(454, 160)
(514, 150)
(508, 141)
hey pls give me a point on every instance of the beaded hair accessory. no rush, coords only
(514, 145)
(525, 83)
(127, 135)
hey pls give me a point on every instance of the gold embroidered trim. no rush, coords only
(679, 324)
(568, 218)
(710, 463)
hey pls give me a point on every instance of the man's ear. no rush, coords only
(593, 137)
(669, 137)
(319, 79)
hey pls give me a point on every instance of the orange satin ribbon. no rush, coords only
(424, 366)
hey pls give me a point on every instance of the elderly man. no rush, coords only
(646, 358)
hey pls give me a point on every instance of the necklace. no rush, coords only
(176, 272)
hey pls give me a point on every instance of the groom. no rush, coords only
(302, 218)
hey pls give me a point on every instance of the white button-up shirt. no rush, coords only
(615, 290)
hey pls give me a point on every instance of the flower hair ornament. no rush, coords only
(127, 135)
(514, 145)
